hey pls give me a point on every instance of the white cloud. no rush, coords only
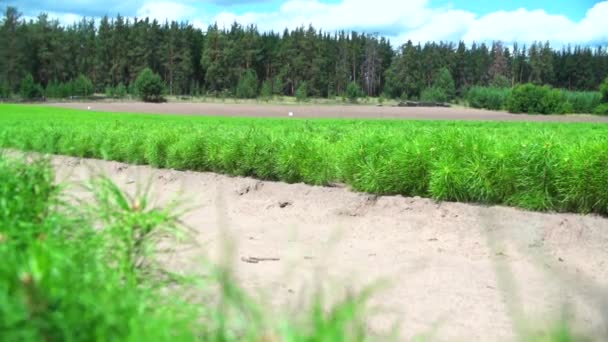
(416, 20)
(166, 11)
(400, 20)
(380, 15)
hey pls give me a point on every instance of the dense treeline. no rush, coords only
(229, 62)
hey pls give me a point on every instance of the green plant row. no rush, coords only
(533, 99)
(537, 166)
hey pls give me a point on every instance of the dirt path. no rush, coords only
(318, 111)
(456, 272)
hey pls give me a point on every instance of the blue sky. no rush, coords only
(558, 21)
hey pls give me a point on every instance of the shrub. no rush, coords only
(109, 91)
(433, 94)
(119, 92)
(581, 101)
(533, 99)
(266, 91)
(149, 86)
(601, 109)
(604, 91)
(82, 86)
(445, 83)
(353, 91)
(277, 86)
(29, 89)
(247, 88)
(302, 92)
(54, 90)
(5, 90)
(500, 81)
(488, 97)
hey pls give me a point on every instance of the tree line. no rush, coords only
(242, 61)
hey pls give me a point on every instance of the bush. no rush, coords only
(118, 92)
(604, 91)
(109, 91)
(445, 83)
(149, 86)
(533, 99)
(29, 89)
(353, 91)
(433, 94)
(500, 81)
(247, 88)
(266, 92)
(581, 101)
(54, 90)
(302, 92)
(488, 97)
(601, 109)
(82, 86)
(5, 90)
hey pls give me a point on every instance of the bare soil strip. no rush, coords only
(319, 111)
(454, 271)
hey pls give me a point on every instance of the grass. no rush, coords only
(86, 272)
(537, 166)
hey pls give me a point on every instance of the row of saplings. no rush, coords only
(536, 99)
(149, 86)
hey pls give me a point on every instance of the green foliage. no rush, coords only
(500, 81)
(277, 86)
(302, 92)
(54, 90)
(601, 109)
(533, 99)
(381, 99)
(247, 88)
(535, 166)
(353, 92)
(5, 90)
(266, 91)
(29, 89)
(82, 86)
(61, 275)
(488, 97)
(445, 83)
(149, 86)
(118, 92)
(433, 94)
(581, 101)
(604, 91)
(191, 60)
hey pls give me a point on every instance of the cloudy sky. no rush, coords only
(558, 21)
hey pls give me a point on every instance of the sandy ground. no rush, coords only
(454, 272)
(322, 111)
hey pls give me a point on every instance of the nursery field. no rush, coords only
(197, 256)
(538, 166)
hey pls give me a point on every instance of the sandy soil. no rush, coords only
(455, 272)
(319, 111)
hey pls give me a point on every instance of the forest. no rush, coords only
(109, 54)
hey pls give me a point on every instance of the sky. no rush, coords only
(557, 21)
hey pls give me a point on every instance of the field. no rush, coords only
(452, 270)
(558, 167)
(312, 110)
